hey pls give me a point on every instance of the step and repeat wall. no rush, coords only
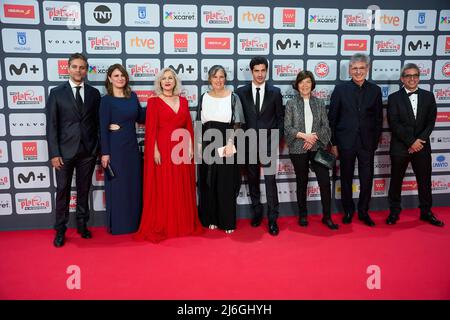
(38, 36)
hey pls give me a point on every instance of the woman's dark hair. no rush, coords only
(108, 84)
(302, 75)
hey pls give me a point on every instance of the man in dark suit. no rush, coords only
(356, 116)
(263, 110)
(411, 115)
(72, 135)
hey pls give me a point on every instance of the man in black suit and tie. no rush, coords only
(72, 135)
(356, 116)
(263, 109)
(411, 115)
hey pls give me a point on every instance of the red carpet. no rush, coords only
(301, 263)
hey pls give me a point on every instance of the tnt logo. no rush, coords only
(29, 150)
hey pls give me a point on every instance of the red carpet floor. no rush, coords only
(301, 263)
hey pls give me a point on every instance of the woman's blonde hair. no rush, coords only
(157, 86)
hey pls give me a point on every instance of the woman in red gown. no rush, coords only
(169, 200)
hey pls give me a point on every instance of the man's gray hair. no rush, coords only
(360, 57)
(408, 66)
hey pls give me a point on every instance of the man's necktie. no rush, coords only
(257, 100)
(78, 99)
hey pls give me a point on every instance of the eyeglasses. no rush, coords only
(354, 69)
(411, 76)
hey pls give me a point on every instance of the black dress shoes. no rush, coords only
(256, 221)
(303, 221)
(367, 220)
(392, 218)
(330, 224)
(84, 232)
(347, 219)
(59, 239)
(273, 228)
(430, 218)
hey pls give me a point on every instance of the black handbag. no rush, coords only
(325, 158)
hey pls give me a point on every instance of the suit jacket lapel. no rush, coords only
(249, 97)
(408, 105)
(315, 113)
(419, 106)
(265, 98)
(74, 107)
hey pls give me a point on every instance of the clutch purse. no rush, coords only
(325, 158)
(110, 172)
(221, 151)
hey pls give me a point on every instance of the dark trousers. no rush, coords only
(421, 165)
(365, 169)
(301, 167)
(253, 175)
(84, 165)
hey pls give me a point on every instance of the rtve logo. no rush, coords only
(256, 17)
(389, 20)
(142, 42)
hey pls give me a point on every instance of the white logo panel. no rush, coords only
(442, 70)
(27, 124)
(387, 45)
(254, 17)
(217, 16)
(31, 177)
(421, 20)
(180, 42)
(351, 44)
(98, 68)
(289, 18)
(443, 45)
(322, 44)
(288, 44)
(187, 69)
(5, 180)
(29, 151)
(104, 42)
(29, 97)
(63, 41)
(217, 43)
(143, 69)
(286, 70)
(138, 42)
(34, 202)
(419, 45)
(57, 69)
(19, 12)
(5, 204)
(322, 69)
(323, 19)
(228, 65)
(253, 43)
(444, 20)
(356, 19)
(141, 15)
(180, 16)
(21, 40)
(389, 20)
(24, 69)
(102, 14)
(442, 92)
(386, 69)
(3, 152)
(62, 13)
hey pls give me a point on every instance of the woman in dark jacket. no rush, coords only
(307, 129)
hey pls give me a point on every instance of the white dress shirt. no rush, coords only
(261, 94)
(308, 116)
(414, 99)
(74, 89)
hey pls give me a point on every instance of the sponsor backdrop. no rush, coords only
(38, 36)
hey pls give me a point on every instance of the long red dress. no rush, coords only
(169, 199)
